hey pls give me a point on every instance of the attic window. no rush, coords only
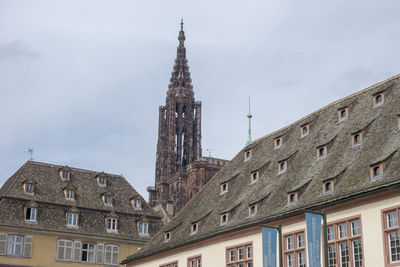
(282, 166)
(65, 175)
(194, 228)
(278, 142)
(379, 99)
(254, 177)
(101, 180)
(328, 187)
(292, 198)
(69, 194)
(343, 114)
(305, 130)
(224, 188)
(357, 138)
(322, 152)
(167, 236)
(137, 204)
(28, 188)
(224, 218)
(252, 210)
(107, 199)
(30, 214)
(376, 171)
(247, 155)
(143, 228)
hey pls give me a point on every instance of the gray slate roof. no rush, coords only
(348, 165)
(49, 196)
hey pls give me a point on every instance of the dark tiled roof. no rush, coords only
(349, 165)
(49, 196)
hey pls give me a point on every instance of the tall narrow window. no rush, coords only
(194, 261)
(328, 186)
(111, 255)
(112, 225)
(391, 235)
(224, 188)
(29, 188)
(278, 143)
(345, 248)
(72, 219)
(14, 245)
(194, 228)
(69, 194)
(294, 250)
(137, 204)
(224, 218)
(88, 252)
(252, 210)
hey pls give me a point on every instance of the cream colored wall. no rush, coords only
(45, 247)
(373, 253)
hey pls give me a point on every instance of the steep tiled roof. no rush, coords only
(49, 194)
(349, 165)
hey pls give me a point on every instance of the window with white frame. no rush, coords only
(112, 225)
(111, 254)
(65, 250)
(102, 180)
(137, 204)
(240, 255)
(30, 214)
(391, 236)
(143, 228)
(194, 261)
(294, 250)
(65, 174)
(14, 245)
(345, 243)
(72, 219)
(28, 188)
(69, 194)
(88, 252)
(107, 200)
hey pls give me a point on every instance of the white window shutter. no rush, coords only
(115, 256)
(28, 244)
(69, 246)
(77, 251)
(107, 257)
(3, 244)
(99, 253)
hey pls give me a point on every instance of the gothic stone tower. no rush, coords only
(179, 128)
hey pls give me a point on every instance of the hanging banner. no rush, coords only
(269, 246)
(313, 226)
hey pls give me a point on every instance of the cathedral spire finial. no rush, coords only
(181, 24)
(249, 133)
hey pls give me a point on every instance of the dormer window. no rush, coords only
(101, 180)
(247, 155)
(72, 219)
(28, 188)
(143, 228)
(343, 114)
(322, 152)
(357, 138)
(304, 130)
(137, 204)
(224, 188)
(292, 198)
(282, 166)
(328, 187)
(252, 210)
(107, 199)
(278, 142)
(379, 99)
(69, 194)
(224, 218)
(65, 174)
(30, 214)
(254, 177)
(194, 228)
(167, 236)
(376, 171)
(112, 225)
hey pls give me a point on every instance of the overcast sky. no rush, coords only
(81, 81)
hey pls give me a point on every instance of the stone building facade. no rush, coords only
(181, 170)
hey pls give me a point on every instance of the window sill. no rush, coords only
(72, 226)
(112, 231)
(31, 222)
(357, 144)
(143, 235)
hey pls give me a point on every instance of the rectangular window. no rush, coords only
(64, 249)
(391, 236)
(14, 245)
(345, 247)
(111, 256)
(112, 224)
(194, 261)
(143, 228)
(69, 194)
(72, 219)
(88, 252)
(30, 215)
(294, 250)
(240, 256)
(172, 264)
(29, 188)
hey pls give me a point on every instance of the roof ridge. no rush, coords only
(325, 107)
(72, 168)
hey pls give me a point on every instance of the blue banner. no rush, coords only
(269, 246)
(313, 225)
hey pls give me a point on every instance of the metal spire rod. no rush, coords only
(249, 133)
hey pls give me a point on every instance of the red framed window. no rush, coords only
(194, 261)
(391, 230)
(294, 249)
(240, 255)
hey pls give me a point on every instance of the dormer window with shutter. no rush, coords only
(65, 174)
